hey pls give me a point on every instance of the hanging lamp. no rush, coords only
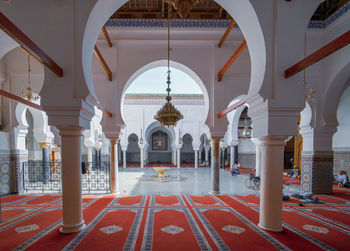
(28, 93)
(168, 115)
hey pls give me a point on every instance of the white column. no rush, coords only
(89, 157)
(142, 164)
(72, 203)
(200, 156)
(178, 157)
(173, 156)
(271, 187)
(257, 160)
(124, 158)
(195, 158)
(114, 166)
(206, 155)
(232, 156)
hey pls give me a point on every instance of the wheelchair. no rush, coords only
(253, 182)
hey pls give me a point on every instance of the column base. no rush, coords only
(271, 229)
(214, 192)
(115, 193)
(72, 229)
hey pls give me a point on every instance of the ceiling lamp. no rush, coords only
(168, 115)
(183, 7)
(309, 93)
(246, 131)
(28, 93)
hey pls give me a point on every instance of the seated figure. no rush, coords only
(342, 179)
(235, 169)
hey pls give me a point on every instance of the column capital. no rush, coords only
(273, 140)
(44, 145)
(113, 141)
(76, 112)
(112, 135)
(70, 131)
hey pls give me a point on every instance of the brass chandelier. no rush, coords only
(28, 93)
(168, 115)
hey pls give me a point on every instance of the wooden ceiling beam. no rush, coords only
(232, 107)
(36, 106)
(103, 63)
(325, 51)
(229, 28)
(28, 45)
(104, 110)
(105, 33)
(232, 59)
(19, 99)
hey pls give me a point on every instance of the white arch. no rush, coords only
(42, 132)
(175, 65)
(305, 117)
(341, 137)
(233, 119)
(241, 10)
(155, 126)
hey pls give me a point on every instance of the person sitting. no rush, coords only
(293, 173)
(342, 179)
(235, 169)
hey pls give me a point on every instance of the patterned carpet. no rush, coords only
(174, 222)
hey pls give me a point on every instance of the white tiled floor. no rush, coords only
(194, 181)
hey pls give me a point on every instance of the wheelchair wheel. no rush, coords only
(255, 184)
(248, 182)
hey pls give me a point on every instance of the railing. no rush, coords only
(45, 177)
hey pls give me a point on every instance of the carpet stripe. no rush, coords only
(148, 239)
(61, 240)
(130, 242)
(247, 222)
(287, 237)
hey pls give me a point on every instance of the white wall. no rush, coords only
(342, 137)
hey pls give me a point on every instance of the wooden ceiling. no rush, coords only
(158, 9)
(205, 9)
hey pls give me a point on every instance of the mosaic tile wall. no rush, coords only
(342, 160)
(316, 172)
(4, 178)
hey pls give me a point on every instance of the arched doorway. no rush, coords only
(187, 152)
(159, 150)
(133, 151)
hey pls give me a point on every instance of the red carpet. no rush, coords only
(174, 222)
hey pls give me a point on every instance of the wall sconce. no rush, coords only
(141, 140)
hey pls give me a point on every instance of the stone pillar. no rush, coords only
(257, 156)
(271, 186)
(206, 155)
(119, 155)
(178, 157)
(89, 157)
(200, 161)
(124, 158)
(142, 163)
(195, 158)
(317, 171)
(215, 166)
(45, 162)
(232, 156)
(317, 159)
(257, 160)
(72, 203)
(173, 156)
(114, 165)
